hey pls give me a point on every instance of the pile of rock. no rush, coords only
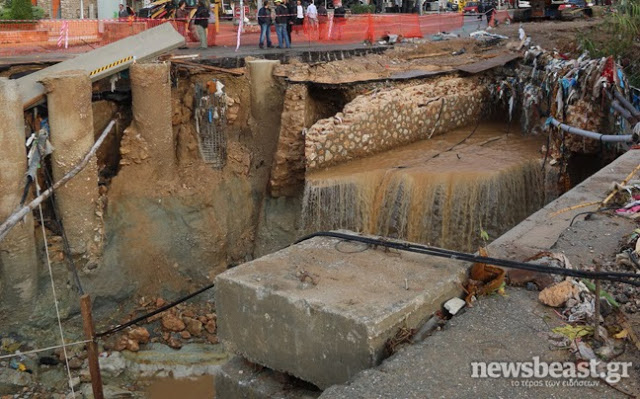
(184, 322)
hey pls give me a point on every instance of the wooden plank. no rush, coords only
(92, 347)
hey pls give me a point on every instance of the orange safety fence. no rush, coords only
(42, 36)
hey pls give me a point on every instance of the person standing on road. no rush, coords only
(182, 18)
(123, 13)
(299, 13)
(312, 18)
(282, 19)
(489, 9)
(264, 19)
(323, 22)
(339, 19)
(202, 23)
(291, 12)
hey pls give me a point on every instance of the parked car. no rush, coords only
(573, 4)
(452, 5)
(471, 7)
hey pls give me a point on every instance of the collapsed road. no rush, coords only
(170, 193)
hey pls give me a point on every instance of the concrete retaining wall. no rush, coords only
(387, 119)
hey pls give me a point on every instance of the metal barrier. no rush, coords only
(77, 36)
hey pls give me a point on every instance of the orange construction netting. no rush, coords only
(47, 36)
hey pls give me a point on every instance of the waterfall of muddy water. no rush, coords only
(444, 201)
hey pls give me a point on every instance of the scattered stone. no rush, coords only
(210, 326)
(185, 334)
(13, 380)
(75, 363)
(194, 327)
(132, 345)
(160, 302)
(212, 339)
(174, 343)
(557, 294)
(139, 334)
(172, 323)
(454, 305)
(112, 365)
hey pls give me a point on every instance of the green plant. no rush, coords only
(21, 9)
(617, 36)
(363, 9)
(38, 12)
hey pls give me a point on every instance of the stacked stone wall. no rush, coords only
(383, 120)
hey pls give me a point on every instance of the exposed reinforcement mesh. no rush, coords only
(211, 119)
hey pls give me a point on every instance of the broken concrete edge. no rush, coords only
(106, 60)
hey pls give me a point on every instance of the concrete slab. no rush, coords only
(323, 309)
(498, 328)
(239, 379)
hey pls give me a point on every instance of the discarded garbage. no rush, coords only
(454, 305)
(573, 332)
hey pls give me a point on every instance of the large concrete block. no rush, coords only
(323, 309)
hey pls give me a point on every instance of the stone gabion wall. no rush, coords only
(387, 119)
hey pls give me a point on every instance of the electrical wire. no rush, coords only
(457, 255)
(137, 320)
(55, 298)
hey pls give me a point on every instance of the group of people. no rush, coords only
(289, 14)
(200, 21)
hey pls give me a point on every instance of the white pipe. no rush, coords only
(623, 138)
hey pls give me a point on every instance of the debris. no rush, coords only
(112, 365)
(558, 294)
(484, 279)
(194, 327)
(425, 330)
(622, 334)
(519, 278)
(573, 332)
(603, 293)
(459, 52)
(139, 334)
(454, 305)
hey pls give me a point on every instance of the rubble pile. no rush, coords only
(186, 322)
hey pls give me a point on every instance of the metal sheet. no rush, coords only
(105, 61)
(481, 66)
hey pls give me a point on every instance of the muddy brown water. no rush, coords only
(424, 193)
(183, 388)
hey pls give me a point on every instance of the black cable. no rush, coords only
(26, 191)
(121, 327)
(456, 255)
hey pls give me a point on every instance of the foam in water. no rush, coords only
(414, 194)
